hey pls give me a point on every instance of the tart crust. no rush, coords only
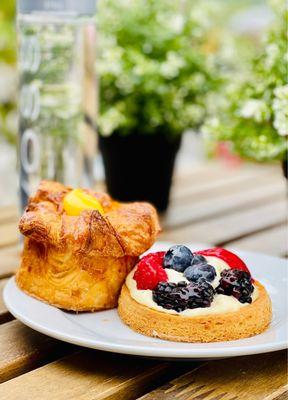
(80, 262)
(248, 321)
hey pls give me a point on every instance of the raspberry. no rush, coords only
(230, 258)
(150, 272)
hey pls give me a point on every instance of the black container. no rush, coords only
(285, 167)
(140, 167)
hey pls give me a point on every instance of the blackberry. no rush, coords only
(181, 296)
(178, 257)
(237, 283)
(200, 271)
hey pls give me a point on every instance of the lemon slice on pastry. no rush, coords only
(77, 201)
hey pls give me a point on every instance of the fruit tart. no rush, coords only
(80, 245)
(205, 296)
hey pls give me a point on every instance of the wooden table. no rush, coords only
(237, 207)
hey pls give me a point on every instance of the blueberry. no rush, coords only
(198, 259)
(200, 271)
(178, 257)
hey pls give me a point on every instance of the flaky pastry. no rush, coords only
(80, 262)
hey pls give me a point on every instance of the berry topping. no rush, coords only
(181, 296)
(237, 283)
(200, 271)
(230, 258)
(150, 272)
(178, 258)
(198, 259)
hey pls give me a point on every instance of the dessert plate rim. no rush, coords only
(104, 330)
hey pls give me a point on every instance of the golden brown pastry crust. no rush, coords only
(248, 321)
(80, 263)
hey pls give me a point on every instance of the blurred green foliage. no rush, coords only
(254, 116)
(7, 32)
(156, 64)
(7, 70)
(169, 66)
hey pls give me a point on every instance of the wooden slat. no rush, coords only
(272, 241)
(196, 170)
(4, 313)
(217, 183)
(23, 349)
(8, 234)
(283, 395)
(8, 214)
(253, 197)
(230, 227)
(9, 260)
(262, 377)
(89, 375)
(232, 200)
(209, 168)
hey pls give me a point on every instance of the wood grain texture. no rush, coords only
(5, 316)
(23, 349)
(219, 182)
(217, 205)
(8, 214)
(272, 241)
(230, 227)
(210, 203)
(201, 172)
(88, 375)
(281, 394)
(9, 260)
(8, 234)
(196, 171)
(261, 377)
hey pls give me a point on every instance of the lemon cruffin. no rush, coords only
(79, 262)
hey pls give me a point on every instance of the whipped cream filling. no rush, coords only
(221, 303)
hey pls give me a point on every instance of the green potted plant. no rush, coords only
(155, 70)
(254, 117)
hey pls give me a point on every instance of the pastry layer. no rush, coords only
(70, 281)
(247, 321)
(80, 262)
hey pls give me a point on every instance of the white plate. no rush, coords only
(104, 330)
